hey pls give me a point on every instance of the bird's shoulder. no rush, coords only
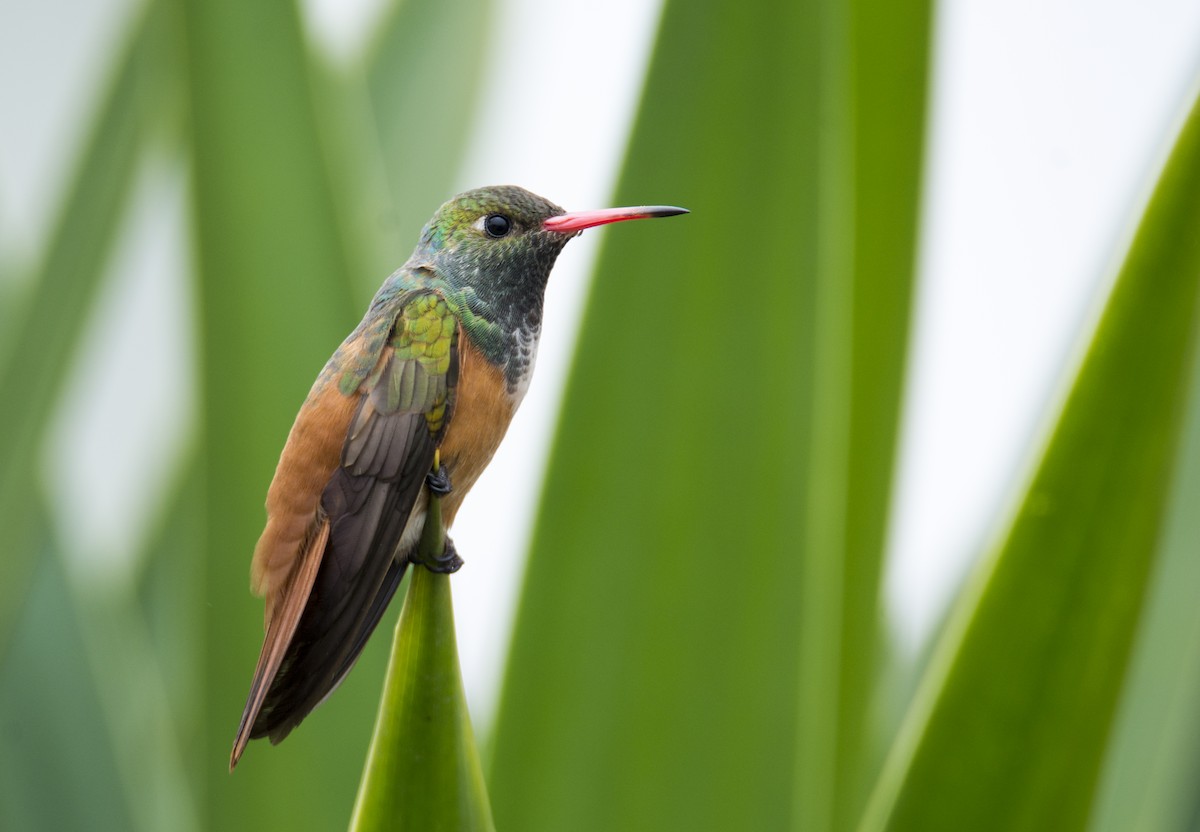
(408, 320)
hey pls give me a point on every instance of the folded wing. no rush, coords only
(355, 557)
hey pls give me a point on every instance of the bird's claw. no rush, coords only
(439, 481)
(447, 563)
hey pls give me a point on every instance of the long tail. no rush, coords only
(279, 637)
(348, 574)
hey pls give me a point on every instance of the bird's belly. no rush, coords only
(483, 409)
(413, 529)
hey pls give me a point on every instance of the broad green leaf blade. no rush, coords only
(274, 301)
(1010, 728)
(873, 93)
(1154, 757)
(56, 765)
(51, 319)
(139, 718)
(423, 770)
(653, 676)
(719, 482)
(171, 601)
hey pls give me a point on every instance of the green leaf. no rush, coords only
(51, 319)
(1011, 725)
(872, 98)
(697, 639)
(171, 603)
(56, 769)
(1154, 757)
(423, 771)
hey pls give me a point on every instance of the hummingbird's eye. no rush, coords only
(497, 225)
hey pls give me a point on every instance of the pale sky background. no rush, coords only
(1049, 121)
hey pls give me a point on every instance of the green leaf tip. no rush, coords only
(423, 770)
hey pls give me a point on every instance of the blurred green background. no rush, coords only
(708, 633)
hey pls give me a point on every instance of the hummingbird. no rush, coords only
(435, 370)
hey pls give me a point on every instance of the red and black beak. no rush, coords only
(579, 220)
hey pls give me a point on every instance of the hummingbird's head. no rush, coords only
(493, 240)
(502, 242)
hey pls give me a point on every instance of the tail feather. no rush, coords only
(364, 561)
(314, 670)
(280, 631)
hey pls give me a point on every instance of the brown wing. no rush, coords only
(318, 630)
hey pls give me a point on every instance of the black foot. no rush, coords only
(447, 563)
(439, 481)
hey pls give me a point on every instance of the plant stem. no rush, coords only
(423, 770)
